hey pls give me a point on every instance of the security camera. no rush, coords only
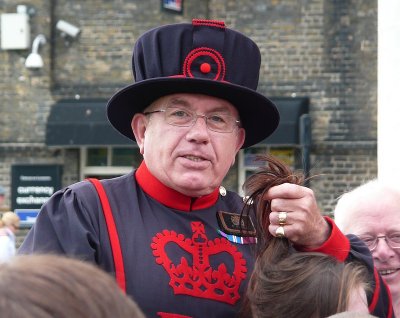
(67, 28)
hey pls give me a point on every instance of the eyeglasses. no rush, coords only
(218, 122)
(393, 240)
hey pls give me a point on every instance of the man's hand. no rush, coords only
(305, 226)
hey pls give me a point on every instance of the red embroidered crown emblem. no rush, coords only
(200, 279)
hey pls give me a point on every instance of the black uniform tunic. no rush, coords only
(175, 260)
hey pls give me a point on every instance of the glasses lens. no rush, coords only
(179, 117)
(394, 240)
(221, 122)
(369, 241)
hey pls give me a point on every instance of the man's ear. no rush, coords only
(240, 138)
(138, 125)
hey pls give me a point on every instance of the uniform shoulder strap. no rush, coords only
(112, 233)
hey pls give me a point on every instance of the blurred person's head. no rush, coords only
(306, 285)
(44, 286)
(10, 220)
(286, 283)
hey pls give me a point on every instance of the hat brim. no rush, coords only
(258, 115)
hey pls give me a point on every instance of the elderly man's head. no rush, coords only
(189, 141)
(200, 69)
(372, 212)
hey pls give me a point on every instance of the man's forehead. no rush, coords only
(195, 100)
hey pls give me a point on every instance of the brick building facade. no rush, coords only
(324, 50)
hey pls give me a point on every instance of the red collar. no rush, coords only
(169, 197)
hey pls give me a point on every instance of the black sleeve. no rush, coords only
(67, 225)
(379, 299)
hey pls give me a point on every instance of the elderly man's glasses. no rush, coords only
(218, 121)
(393, 240)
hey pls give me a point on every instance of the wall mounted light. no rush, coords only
(34, 60)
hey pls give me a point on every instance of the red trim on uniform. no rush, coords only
(212, 23)
(337, 245)
(376, 296)
(377, 291)
(390, 305)
(169, 197)
(112, 234)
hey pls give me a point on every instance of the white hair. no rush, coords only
(349, 202)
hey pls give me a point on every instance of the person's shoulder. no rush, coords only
(121, 183)
(86, 185)
(120, 180)
(233, 195)
(85, 191)
(233, 198)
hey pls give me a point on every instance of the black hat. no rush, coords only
(204, 57)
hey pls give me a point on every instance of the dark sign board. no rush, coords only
(33, 185)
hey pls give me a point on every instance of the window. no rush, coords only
(248, 163)
(96, 157)
(107, 162)
(126, 157)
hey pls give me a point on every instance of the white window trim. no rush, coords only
(100, 170)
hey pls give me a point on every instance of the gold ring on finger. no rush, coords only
(280, 232)
(282, 218)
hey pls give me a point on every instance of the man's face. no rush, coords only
(192, 160)
(377, 215)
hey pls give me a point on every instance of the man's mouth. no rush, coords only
(194, 158)
(384, 272)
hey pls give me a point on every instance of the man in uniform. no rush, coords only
(168, 231)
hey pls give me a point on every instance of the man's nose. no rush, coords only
(196, 120)
(200, 120)
(383, 251)
(199, 130)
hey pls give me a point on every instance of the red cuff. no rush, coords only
(337, 245)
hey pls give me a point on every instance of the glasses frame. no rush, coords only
(194, 121)
(376, 241)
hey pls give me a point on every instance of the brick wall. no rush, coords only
(325, 50)
(322, 49)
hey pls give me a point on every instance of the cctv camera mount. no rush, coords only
(68, 30)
